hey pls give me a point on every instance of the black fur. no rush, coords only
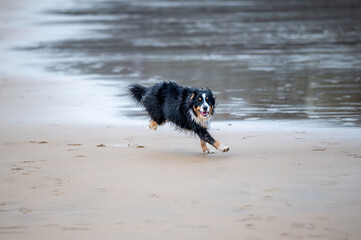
(168, 101)
(137, 91)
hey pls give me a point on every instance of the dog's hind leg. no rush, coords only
(205, 148)
(153, 125)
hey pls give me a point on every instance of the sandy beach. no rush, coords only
(72, 167)
(118, 179)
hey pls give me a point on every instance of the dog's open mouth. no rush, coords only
(204, 113)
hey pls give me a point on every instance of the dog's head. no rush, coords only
(203, 103)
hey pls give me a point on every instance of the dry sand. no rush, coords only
(115, 179)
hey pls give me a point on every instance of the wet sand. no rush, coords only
(117, 179)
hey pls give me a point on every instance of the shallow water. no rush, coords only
(263, 59)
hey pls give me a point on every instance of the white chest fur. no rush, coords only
(202, 121)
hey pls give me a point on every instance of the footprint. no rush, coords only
(11, 229)
(17, 169)
(319, 149)
(136, 146)
(323, 219)
(308, 226)
(27, 162)
(251, 217)
(56, 192)
(154, 195)
(272, 190)
(24, 210)
(104, 190)
(41, 142)
(59, 182)
(50, 225)
(250, 226)
(250, 136)
(74, 144)
(75, 228)
(72, 149)
(291, 236)
(329, 184)
(300, 132)
(246, 207)
(330, 143)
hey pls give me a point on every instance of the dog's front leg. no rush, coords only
(221, 147)
(206, 137)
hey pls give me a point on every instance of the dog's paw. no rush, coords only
(153, 128)
(223, 148)
(208, 151)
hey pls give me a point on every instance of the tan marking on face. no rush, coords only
(153, 125)
(211, 111)
(196, 110)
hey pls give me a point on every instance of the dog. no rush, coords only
(188, 108)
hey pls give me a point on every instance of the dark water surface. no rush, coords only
(263, 59)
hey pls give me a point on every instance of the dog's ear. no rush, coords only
(190, 97)
(193, 94)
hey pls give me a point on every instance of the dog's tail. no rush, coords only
(137, 91)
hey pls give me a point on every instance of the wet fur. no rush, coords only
(168, 101)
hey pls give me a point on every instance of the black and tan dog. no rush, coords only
(188, 108)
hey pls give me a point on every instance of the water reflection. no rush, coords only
(264, 59)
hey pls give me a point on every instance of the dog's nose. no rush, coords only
(205, 107)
